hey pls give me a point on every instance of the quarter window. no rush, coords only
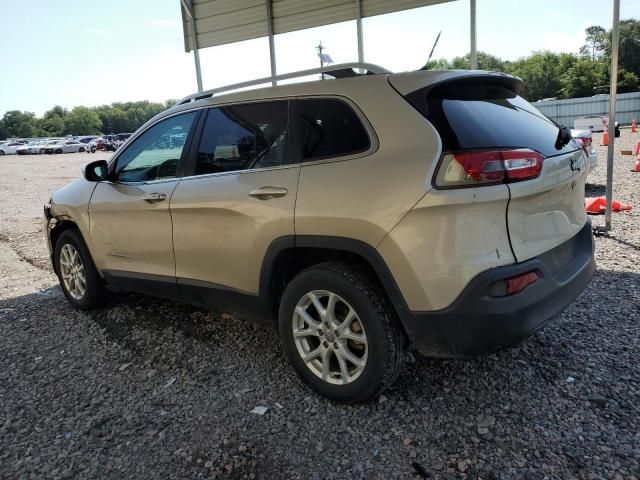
(330, 128)
(240, 137)
(156, 153)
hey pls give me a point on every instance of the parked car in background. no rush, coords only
(72, 146)
(585, 138)
(26, 149)
(594, 123)
(54, 146)
(433, 210)
(100, 142)
(10, 148)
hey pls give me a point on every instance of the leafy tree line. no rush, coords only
(566, 75)
(115, 118)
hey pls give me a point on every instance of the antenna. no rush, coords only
(434, 46)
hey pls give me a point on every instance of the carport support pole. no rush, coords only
(615, 43)
(359, 29)
(473, 55)
(187, 5)
(272, 45)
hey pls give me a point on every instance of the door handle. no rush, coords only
(154, 197)
(265, 193)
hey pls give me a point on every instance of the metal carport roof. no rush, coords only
(216, 22)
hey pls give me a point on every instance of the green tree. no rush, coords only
(596, 42)
(582, 79)
(440, 64)
(4, 133)
(52, 122)
(486, 61)
(19, 124)
(82, 121)
(629, 53)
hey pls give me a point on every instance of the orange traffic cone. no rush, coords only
(595, 205)
(634, 127)
(598, 205)
(636, 167)
(616, 206)
(605, 139)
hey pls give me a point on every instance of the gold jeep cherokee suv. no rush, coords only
(362, 215)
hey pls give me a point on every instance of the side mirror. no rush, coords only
(96, 171)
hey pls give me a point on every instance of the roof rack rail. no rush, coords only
(341, 70)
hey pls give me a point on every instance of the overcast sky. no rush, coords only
(81, 52)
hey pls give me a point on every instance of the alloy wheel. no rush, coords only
(330, 337)
(72, 271)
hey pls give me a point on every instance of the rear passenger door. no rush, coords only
(237, 197)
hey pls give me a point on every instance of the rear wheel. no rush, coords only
(1, 152)
(339, 334)
(81, 149)
(78, 276)
(59, 150)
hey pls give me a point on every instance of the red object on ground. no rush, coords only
(597, 205)
(634, 127)
(636, 167)
(605, 139)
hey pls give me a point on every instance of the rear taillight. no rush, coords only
(586, 144)
(476, 168)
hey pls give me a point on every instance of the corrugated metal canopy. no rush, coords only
(226, 21)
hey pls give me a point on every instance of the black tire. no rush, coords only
(42, 151)
(1, 152)
(385, 339)
(95, 294)
(81, 149)
(59, 150)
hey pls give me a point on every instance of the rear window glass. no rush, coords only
(330, 128)
(472, 115)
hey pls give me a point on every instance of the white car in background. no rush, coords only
(32, 148)
(10, 148)
(71, 146)
(65, 146)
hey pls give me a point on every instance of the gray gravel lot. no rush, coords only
(147, 388)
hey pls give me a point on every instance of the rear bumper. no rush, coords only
(477, 323)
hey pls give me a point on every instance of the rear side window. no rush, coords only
(479, 115)
(240, 137)
(330, 128)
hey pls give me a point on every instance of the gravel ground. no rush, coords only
(152, 389)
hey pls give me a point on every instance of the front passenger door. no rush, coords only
(131, 231)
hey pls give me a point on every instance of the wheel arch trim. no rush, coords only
(341, 244)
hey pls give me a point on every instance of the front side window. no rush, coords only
(155, 154)
(330, 128)
(241, 137)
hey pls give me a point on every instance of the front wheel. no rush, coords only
(59, 150)
(78, 276)
(340, 334)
